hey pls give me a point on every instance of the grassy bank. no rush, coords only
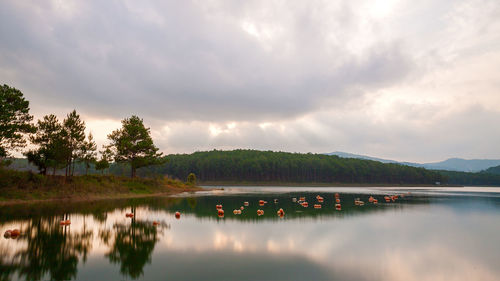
(18, 186)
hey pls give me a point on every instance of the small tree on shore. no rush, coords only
(74, 129)
(87, 153)
(105, 161)
(133, 144)
(52, 151)
(15, 120)
(191, 179)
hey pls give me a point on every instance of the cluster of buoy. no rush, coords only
(237, 212)
(338, 207)
(129, 215)
(66, 222)
(260, 212)
(13, 234)
(358, 202)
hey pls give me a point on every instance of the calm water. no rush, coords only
(446, 234)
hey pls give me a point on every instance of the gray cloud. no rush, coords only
(396, 79)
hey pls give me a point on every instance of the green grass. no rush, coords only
(20, 185)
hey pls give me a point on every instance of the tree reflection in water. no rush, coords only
(132, 246)
(50, 249)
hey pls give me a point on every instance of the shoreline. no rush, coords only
(94, 197)
(292, 184)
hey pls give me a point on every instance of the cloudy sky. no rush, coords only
(406, 80)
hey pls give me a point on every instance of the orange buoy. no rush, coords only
(302, 199)
(305, 204)
(371, 199)
(320, 199)
(246, 204)
(387, 199)
(218, 207)
(338, 207)
(260, 212)
(220, 213)
(261, 202)
(337, 195)
(337, 200)
(68, 222)
(177, 215)
(280, 212)
(64, 222)
(15, 233)
(317, 206)
(375, 201)
(235, 211)
(129, 215)
(155, 223)
(7, 234)
(241, 208)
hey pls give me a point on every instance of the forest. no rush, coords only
(268, 166)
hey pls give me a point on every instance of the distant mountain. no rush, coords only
(493, 170)
(451, 164)
(357, 156)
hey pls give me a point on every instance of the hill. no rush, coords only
(451, 164)
(267, 166)
(493, 170)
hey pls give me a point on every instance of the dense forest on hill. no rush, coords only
(268, 166)
(465, 178)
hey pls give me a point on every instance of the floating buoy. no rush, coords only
(237, 212)
(275, 201)
(337, 200)
(387, 199)
(305, 204)
(338, 207)
(155, 223)
(220, 213)
(218, 207)
(317, 206)
(302, 199)
(14, 233)
(337, 195)
(260, 212)
(246, 204)
(177, 215)
(371, 199)
(7, 234)
(261, 202)
(294, 199)
(241, 208)
(129, 215)
(375, 201)
(66, 222)
(320, 199)
(280, 212)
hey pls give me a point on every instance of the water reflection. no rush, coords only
(422, 236)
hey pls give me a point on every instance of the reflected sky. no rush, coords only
(423, 236)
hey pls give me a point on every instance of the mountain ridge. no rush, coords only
(450, 164)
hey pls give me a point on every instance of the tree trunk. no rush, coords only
(132, 172)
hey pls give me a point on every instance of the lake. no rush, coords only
(424, 234)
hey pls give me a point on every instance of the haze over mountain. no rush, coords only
(451, 164)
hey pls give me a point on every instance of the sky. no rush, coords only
(405, 80)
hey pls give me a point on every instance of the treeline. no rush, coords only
(268, 166)
(471, 179)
